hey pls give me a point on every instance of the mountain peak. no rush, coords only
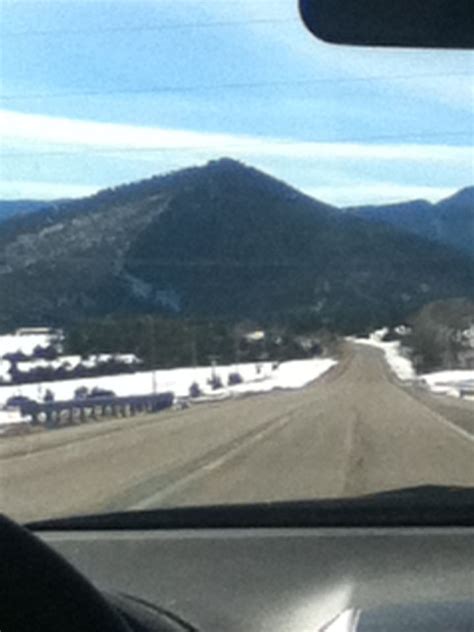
(227, 162)
(464, 198)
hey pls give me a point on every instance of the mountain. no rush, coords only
(223, 240)
(449, 222)
(10, 208)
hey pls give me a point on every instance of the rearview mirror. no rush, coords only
(397, 23)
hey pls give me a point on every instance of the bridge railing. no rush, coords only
(53, 413)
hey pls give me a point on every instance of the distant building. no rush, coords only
(255, 336)
(35, 331)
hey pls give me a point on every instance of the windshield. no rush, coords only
(236, 263)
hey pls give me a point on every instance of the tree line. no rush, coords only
(442, 335)
(162, 342)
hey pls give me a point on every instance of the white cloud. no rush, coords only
(39, 133)
(345, 171)
(376, 193)
(41, 190)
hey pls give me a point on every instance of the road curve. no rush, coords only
(354, 431)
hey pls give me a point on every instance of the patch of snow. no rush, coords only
(138, 288)
(169, 299)
(71, 362)
(457, 383)
(5, 371)
(256, 378)
(11, 417)
(379, 334)
(290, 375)
(127, 358)
(64, 361)
(13, 343)
(102, 358)
(402, 330)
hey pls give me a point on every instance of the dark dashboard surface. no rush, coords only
(278, 580)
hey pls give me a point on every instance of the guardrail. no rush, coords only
(52, 414)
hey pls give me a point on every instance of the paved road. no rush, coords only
(354, 431)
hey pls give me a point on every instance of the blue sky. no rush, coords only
(95, 94)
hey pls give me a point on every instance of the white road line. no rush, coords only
(465, 434)
(156, 499)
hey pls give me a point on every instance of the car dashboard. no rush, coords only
(285, 579)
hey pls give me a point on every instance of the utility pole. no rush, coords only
(213, 360)
(151, 332)
(193, 348)
(236, 351)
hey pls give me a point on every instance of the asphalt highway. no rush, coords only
(354, 431)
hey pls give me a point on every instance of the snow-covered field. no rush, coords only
(30, 344)
(289, 375)
(458, 383)
(10, 417)
(454, 383)
(13, 343)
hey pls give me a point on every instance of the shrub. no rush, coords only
(195, 390)
(81, 393)
(234, 379)
(215, 382)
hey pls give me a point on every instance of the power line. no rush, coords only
(229, 86)
(150, 28)
(86, 151)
